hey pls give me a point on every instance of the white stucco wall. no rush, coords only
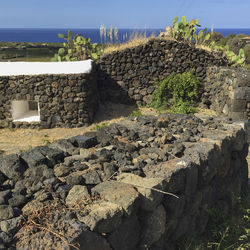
(40, 68)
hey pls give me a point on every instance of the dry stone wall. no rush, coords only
(96, 191)
(227, 91)
(129, 75)
(64, 100)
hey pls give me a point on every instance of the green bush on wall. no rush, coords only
(247, 53)
(177, 93)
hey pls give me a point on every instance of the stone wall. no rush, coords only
(128, 75)
(227, 91)
(97, 190)
(65, 100)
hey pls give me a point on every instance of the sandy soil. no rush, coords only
(17, 140)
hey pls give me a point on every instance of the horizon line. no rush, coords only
(113, 27)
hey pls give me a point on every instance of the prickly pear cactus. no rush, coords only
(77, 49)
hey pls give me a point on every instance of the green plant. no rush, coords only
(187, 31)
(184, 30)
(11, 129)
(45, 139)
(236, 43)
(247, 53)
(77, 48)
(99, 126)
(136, 113)
(178, 93)
(230, 232)
(233, 58)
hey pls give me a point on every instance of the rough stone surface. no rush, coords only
(100, 202)
(63, 102)
(127, 236)
(151, 198)
(103, 217)
(119, 193)
(76, 194)
(128, 76)
(226, 90)
(12, 166)
(154, 227)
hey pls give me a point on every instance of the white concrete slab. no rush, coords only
(20, 112)
(42, 68)
(29, 117)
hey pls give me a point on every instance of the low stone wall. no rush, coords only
(98, 190)
(128, 75)
(227, 91)
(65, 100)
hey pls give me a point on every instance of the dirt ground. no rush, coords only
(18, 140)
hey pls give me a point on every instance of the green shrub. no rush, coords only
(236, 43)
(178, 93)
(223, 41)
(247, 53)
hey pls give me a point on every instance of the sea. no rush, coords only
(41, 35)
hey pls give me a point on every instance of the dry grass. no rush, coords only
(204, 47)
(42, 219)
(139, 39)
(135, 39)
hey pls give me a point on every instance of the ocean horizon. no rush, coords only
(40, 35)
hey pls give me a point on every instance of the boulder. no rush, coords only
(6, 212)
(10, 225)
(76, 194)
(119, 193)
(127, 236)
(153, 227)
(102, 216)
(150, 198)
(12, 166)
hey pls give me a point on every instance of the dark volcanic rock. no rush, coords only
(12, 166)
(34, 158)
(84, 141)
(4, 196)
(127, 236)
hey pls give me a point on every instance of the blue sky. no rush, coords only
(124, 14)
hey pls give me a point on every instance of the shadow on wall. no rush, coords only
(114, 101)
(111, 90)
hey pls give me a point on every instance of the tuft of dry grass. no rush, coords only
(41, 219)
(204, 47)
(135, 39)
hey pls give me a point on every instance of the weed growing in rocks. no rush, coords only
(45, 139)
(136, 113)
(223, 231)
(99, 126)
(178, 93)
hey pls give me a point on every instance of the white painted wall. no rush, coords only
(40, 68)
(20, 112)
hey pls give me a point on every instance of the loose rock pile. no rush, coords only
(89, 192)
